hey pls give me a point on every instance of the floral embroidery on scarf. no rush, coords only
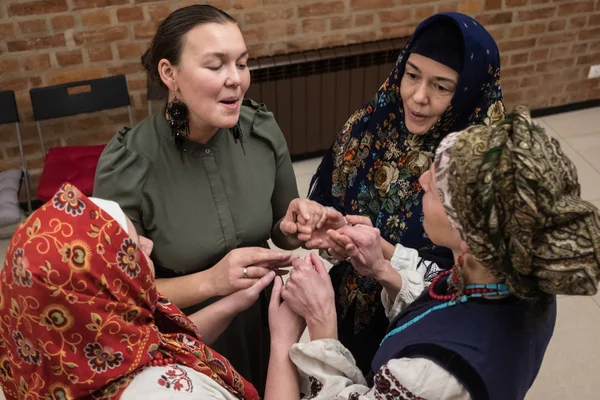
(187, 341)
(5, 370)
(68, 198)
(494, 114)
(78, 255)
(21, 274)
(177, 379)
(57, 317)
(101, 358)
(128, 258)
(27, 352)
(58, 391)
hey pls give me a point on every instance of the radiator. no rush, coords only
(312, 93)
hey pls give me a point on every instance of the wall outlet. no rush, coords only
(594, 72)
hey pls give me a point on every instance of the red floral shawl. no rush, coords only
(80, 315)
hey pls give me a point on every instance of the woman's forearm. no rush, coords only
(282, 376)
(189, 290)
(282, 241)
(387, 249)
(391, 280)
(322, 326)
(213, 319)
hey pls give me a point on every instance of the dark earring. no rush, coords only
(458, 280)
(237, 133)
(177, 116)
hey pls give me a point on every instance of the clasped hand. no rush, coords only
(309, 221)
(308, 296)
(352, 238)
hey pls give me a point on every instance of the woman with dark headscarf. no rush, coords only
(446, 79)
(506, 201)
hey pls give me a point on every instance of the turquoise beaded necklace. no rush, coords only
(471, 291)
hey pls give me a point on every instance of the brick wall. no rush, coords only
(547, 47)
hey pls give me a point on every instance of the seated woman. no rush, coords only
(80, 314)
(447, 78)
(506, 201)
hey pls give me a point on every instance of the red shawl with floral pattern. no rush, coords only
(80, 314)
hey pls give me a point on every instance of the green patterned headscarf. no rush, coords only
(515, 199)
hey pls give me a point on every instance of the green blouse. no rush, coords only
(198, 205)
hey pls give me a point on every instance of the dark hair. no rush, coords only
(168, 40)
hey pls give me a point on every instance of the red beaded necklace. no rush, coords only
(461, 289)
(160, 360)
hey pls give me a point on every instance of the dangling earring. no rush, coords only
(457, 280)
(237, 133)
(177, 116)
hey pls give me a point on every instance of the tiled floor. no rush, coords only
(574, 352)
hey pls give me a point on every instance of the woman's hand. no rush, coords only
(302, 218)
(309, 292)
(228, 274)
(243, 299)
(285, 325)
(360, 244)
(213, 319)
(286, 328)
(319, 239)
(309, 221)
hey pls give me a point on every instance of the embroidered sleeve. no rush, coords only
(404, 261)
(416, 378)
(412, 287)
(325, 368)
(417, 275)
(328, 371)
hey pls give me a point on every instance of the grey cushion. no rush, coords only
(10, 212)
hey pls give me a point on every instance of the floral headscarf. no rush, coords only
(514, 197)
(373, 167)
(80, 314)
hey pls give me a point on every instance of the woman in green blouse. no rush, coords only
(209, 180)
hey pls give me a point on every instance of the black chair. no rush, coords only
(74, 164)
(10, 115)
